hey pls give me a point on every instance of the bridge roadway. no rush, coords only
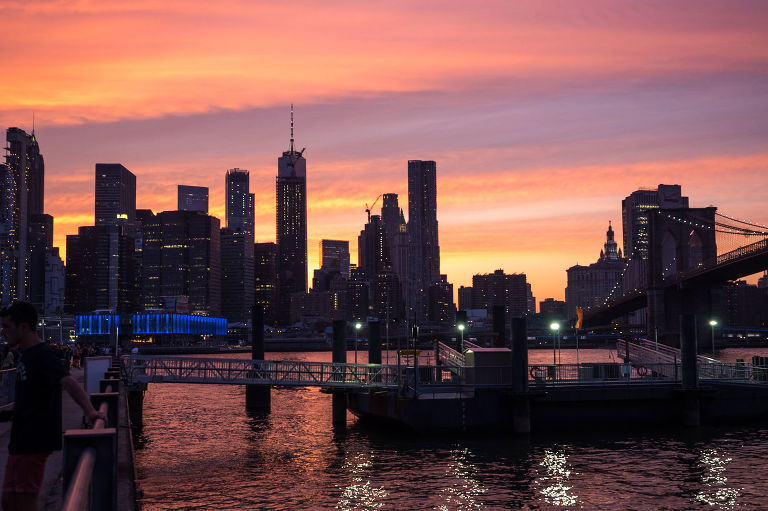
(731, 265)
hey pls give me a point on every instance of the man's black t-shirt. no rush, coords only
(37, 409)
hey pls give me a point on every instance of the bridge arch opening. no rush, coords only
(668, 254)
(695, 249)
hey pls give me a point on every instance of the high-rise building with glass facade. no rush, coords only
(239, 202)
(236, 275)
(265, 279)
(423, 247)
(181, 256)
(334, 257)
(192, 198)
(115, 197)
(291, 235)
(100, 272)
(21, 196)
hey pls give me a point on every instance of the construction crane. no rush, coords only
(369, 208)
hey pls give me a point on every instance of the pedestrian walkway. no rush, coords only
(51, 493)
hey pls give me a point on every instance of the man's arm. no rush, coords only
(75, 390)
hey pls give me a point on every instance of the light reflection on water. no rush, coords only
(461, 490)
(556, 491)
(200, 450)
(716, 491)
(360, 493)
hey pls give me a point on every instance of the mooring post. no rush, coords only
(374, 342)
(499, 327)
(339, 397)
(258, 398)
(690, 378)
(136, 404)
(521, 409)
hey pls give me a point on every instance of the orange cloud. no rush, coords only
(78, 61)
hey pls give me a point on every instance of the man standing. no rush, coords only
(36, 427)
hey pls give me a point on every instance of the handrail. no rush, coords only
(471, 345)
(450, 356)
(79, 491)
(78, 494)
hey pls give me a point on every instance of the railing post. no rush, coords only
(111, 398)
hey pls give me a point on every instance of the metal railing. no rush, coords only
(156, 369)
(471, 345)
(647, 351)
(449, 356)
(7, 388)
(96, 451)
(738, 372)
(565, 374)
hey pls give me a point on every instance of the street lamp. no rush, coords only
(358, 326)
(461, 328)
(713, 324)
(554, 327)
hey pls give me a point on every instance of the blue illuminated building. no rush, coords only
(149, 327)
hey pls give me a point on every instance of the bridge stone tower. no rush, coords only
(679, 240)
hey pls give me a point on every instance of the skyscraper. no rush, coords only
(334, 256)
(192, 198)
(40, 242)
(265, 279)
(116, 197)
(100, 270)
(423, 247)
(373, 249)
(239, 202)
(21, 196)
(634, 214)
(397, 234)
(291, 220)
(181, 256)
(237, 284)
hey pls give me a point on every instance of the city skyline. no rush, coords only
(534, 159)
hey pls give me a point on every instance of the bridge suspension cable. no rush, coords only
(741, 221)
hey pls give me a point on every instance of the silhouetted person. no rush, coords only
(36, 428)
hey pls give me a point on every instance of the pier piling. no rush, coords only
(258, 398)
(339, 403)
(690, 380)
(374, 342)
(521, 418)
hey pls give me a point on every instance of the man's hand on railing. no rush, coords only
(95, 415)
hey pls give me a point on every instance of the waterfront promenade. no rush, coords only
(52, 491)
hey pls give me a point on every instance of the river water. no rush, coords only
(199, 449)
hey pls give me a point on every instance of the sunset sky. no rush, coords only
(542, 116)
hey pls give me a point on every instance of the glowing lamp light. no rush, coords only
(712, 322)
(554, 326)
(358, 325)
(460, 327)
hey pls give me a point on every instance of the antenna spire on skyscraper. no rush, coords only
(291, 127)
